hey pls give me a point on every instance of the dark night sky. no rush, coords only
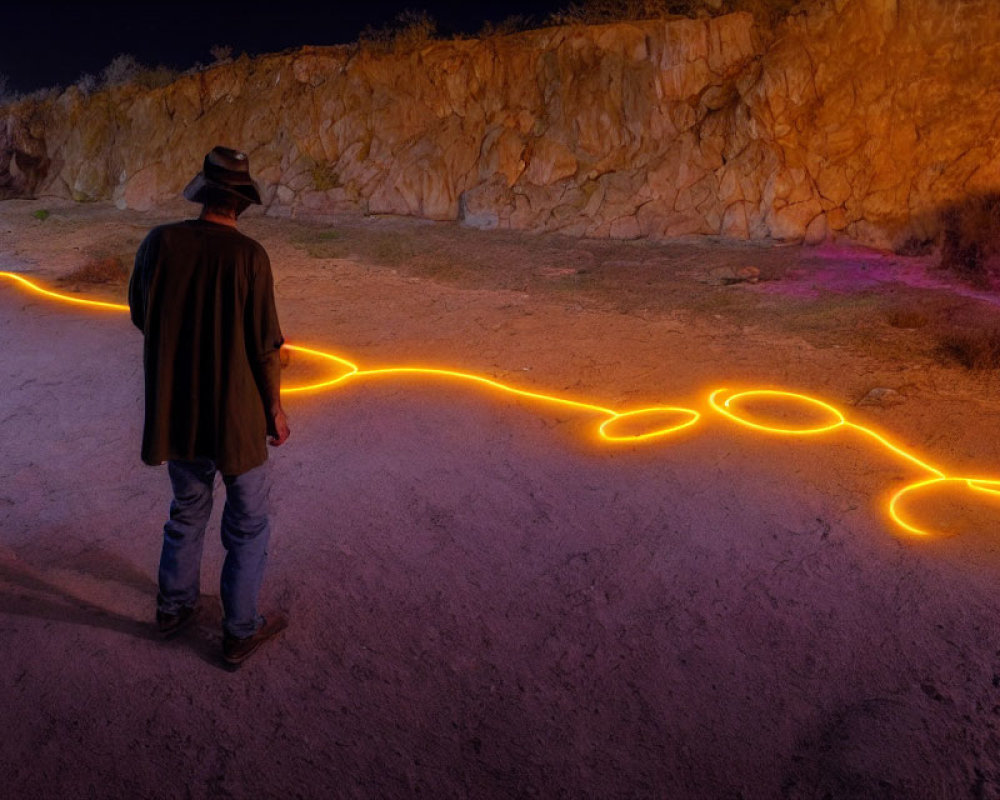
(53, 43)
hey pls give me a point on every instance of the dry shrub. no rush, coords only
(915, 246)
(958, 330)
(964, 331)
(324, 176)
(907, 318)
(978, 348)
(509, 25)
(940, 312)
(221, 53)
(110, 269)
(125, 69)
(595, 12)
(410, 30)
(7, 94)
(970, 240)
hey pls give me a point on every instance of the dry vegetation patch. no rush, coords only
(106, 269)
(594, 12)
(960, 331)
(696, 279)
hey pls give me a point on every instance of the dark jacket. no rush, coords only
(203, 296)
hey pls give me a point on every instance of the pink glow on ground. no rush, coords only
(844, 269)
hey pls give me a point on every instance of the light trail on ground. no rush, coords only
(31, 286)
(721, 401)
(687, 416)
(726, 408)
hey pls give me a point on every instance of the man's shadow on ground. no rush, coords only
(26, 591)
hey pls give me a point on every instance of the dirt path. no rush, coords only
(486, 600)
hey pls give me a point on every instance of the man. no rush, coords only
(203, 296)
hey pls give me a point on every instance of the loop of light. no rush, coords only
(726, 409)
(726, 406)
(31, 286)
(351, 371)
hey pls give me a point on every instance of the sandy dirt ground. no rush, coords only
(485, 599)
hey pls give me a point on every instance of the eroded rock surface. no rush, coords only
(860, 118)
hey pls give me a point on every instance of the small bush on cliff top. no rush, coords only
(410, 30)
(87, 84)
(592, 12)
(126, 69)
(512, 24)
(221, 53)
(6, 95)
(10, 95)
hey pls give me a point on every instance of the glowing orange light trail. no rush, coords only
(899, 451)
(691, 415)
(351, 368)
(353, 372)
(347, 370)
(726, 408)
(31, 286)
(726, 411)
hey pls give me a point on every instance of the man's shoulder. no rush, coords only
(166, 229)
(252, 245)
(194, 229)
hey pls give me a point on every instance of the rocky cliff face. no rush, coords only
(860, 117)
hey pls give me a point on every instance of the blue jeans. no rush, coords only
(245, 533)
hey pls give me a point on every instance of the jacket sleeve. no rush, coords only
(138, 285)
(264, 338)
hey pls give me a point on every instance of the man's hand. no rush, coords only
(277, 427)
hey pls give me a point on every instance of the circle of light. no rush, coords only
(984, 485)
(726, 409)
(692, 418)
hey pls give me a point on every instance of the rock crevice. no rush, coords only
(860, 118)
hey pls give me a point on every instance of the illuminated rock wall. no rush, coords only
(859, 117)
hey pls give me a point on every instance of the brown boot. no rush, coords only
(169, 625)
(235, 650)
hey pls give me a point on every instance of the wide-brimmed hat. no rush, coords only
(225, 169)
